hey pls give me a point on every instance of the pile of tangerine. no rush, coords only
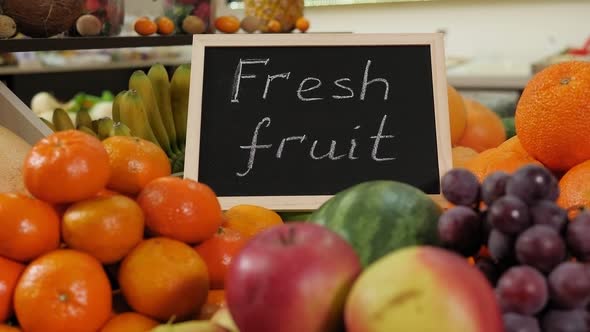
(107, 240)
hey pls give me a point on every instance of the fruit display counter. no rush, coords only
(100, 231)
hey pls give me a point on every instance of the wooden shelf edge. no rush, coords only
(86, 43)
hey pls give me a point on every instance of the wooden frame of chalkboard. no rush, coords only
(209, 52)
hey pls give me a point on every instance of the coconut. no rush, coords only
(43, 18)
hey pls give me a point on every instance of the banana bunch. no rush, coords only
(101, 128)
(155, 108)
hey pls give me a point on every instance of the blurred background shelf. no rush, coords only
(41, 69)
(489, 82)
(87, 67)
(66, 81)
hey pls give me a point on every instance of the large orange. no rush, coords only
(457, 114)
(105, 227)
(9, 273)
(8, 328)
(574, 187)
(134, 163)
(129, 322)
(553, 115)
(63, 291)
(182, 209)
(507, 157)
(218, 253)
(484, 129)
(164, 278)
(66, 167)
(250, 220)
(28, 227)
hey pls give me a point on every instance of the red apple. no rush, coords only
(292, 278)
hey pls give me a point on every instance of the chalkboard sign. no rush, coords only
(286, 121)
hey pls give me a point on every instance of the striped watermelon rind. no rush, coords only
(378, 217)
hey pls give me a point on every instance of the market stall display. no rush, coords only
(92, 18)
(99, 231)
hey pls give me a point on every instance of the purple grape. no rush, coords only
(541, 247)
(520, 323)
(459, 229)
(578, 235)
(569, 285)
(500, 246)
(489, 269)
(565, 321)
(494, 187)
(548, 213)
(461, 187)
(522, 290)
(533, 183)
(553, 190)
(486, 225)
(509, 215)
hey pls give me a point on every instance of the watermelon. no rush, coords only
(378, 217)
(294, 216)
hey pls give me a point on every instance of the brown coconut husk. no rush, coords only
(43, 18)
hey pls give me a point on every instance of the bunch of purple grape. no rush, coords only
(537, 259)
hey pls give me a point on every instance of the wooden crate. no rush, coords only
(19, 118)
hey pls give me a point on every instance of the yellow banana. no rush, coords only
(142, 84)
(61, 120)
(94, 126)
(132, 113)
(48, 123)
(105, 126)
(161, 84)
(120, 129)
(83, 119)
(115, 109)
(87, 130)
(179, 93)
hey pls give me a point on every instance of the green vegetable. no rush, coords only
(107, 96)
(509, 126)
